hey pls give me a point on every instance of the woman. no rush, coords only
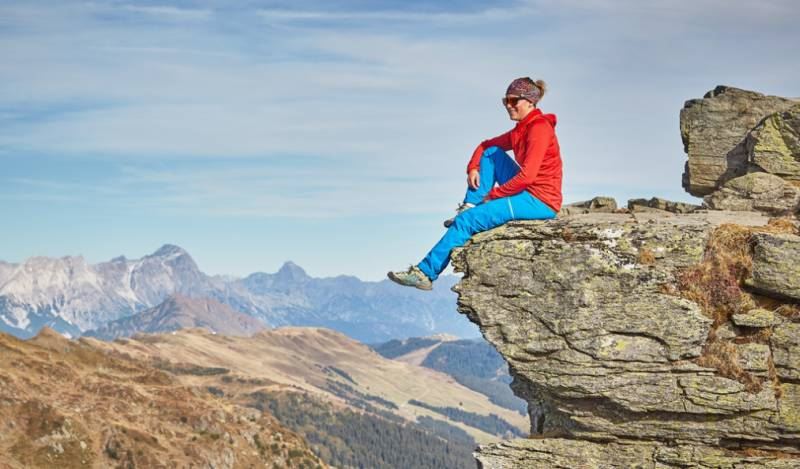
(529, 184)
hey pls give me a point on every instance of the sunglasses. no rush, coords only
(512, 101)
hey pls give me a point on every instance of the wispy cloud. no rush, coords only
(171, 13)
(290, 191)
(439, 18)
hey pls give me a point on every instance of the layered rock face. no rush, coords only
(733, 132)
(620, 365)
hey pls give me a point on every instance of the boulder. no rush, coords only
(607, 356)
(713, 130)
(762, 192)
(599, 204)
(776, 265)
(774, 144)
(656, 203)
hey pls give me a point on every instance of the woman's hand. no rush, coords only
(474, 179)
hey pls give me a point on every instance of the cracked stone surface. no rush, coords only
(603, 354)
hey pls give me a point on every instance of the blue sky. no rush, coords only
(335, 134)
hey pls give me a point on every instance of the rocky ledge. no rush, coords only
(648, 340)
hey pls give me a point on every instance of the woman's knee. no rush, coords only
(465, 222)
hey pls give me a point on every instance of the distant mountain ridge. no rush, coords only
(180, 312)
(72, 296)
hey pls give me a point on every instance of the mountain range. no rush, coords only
(72, 296)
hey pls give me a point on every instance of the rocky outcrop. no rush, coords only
(714, 131)
(608, 323)
(744, 151)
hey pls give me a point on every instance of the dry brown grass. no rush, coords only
(715, 284)
(790, 311)
(64, 401)
(773, 377)
(750, 335)
(723, 356)
(646, 256)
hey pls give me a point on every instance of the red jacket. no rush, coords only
(536, 150)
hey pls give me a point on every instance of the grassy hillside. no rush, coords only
(70, 404)
(360, 389)
(472, 363)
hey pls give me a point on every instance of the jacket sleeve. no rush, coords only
(539, 138)
(503, 141)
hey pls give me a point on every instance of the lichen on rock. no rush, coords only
(774, 144)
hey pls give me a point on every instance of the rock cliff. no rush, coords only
(639, 339)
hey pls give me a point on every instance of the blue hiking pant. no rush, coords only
(496, 167)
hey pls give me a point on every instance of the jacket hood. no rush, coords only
(550, 118)
(537, 114)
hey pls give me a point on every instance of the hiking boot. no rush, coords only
(462, 207)
(413, 277)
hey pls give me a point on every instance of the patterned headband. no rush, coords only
(525, 88)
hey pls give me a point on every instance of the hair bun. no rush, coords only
(541, 85)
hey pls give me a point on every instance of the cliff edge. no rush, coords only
(638, 339)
